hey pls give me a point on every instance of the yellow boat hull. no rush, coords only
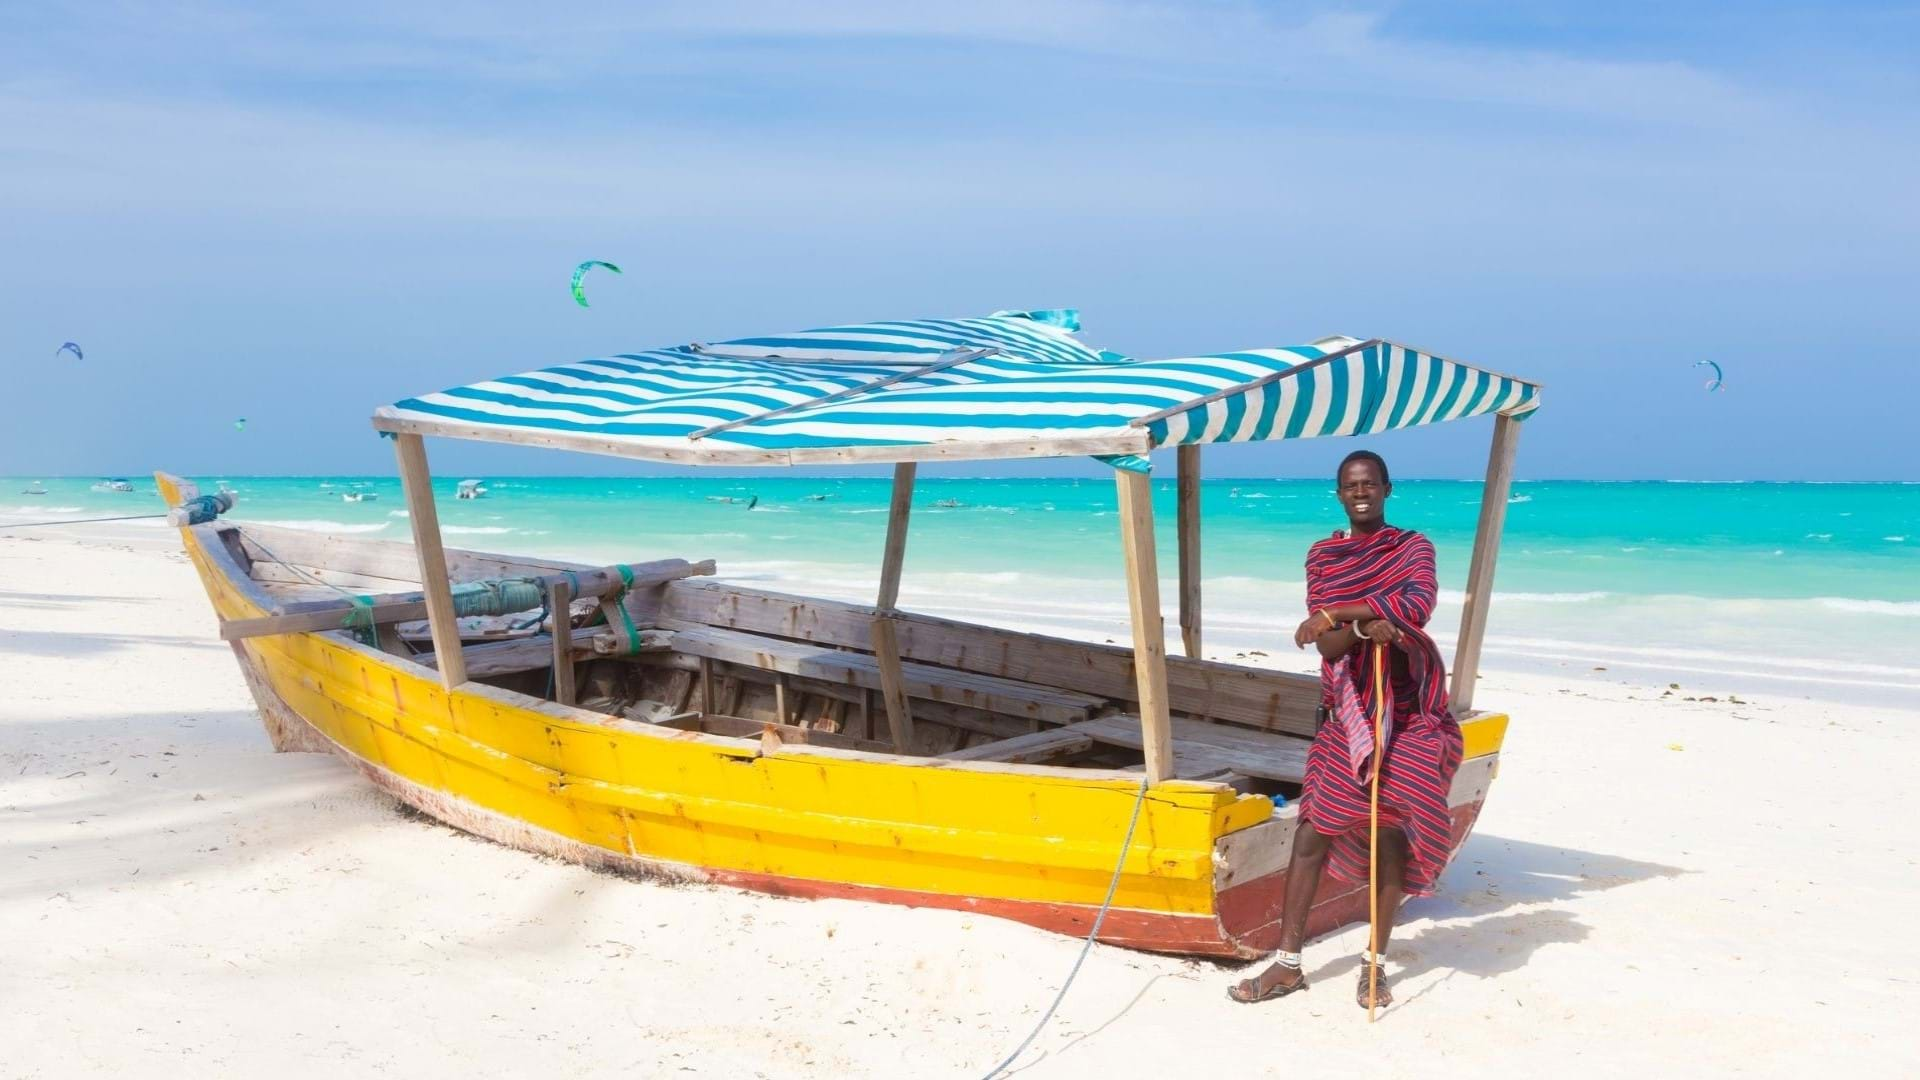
(1203, 875)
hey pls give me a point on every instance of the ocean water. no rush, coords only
(1801, 589)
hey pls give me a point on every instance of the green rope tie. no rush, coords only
(359, 620)
(626, 582)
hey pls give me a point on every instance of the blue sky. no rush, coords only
(296, 212)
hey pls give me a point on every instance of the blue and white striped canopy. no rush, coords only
(1012, 384)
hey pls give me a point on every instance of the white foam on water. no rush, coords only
(473, 530)
(1454, 596)
(323, 525)
(32, 509)
(1737, 661)
(1906, 608)
(1241, 585)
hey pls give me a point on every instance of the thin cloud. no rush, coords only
(1330, 53)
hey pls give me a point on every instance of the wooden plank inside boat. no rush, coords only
(926, 681)
(1050, 745)
(1253, 697)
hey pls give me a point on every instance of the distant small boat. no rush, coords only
(948, 503)
(471, 489)
(358, 496)
(816, 498)
(35, 488)
(113, 484)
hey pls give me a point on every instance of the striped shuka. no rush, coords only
(1392, 573)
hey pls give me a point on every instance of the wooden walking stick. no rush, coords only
(1373, 830)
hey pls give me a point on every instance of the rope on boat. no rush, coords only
(195, 511)
(81, 521)
(1113, 886)
(497, 596)
(201, 509)
(489, 596)
(359, 619)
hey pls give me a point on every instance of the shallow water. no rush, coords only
(1801, 588)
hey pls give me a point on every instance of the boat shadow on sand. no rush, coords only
(57, 601)
(1500, 901)
(76, 645)
(141, 800)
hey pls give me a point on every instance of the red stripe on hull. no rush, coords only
(1154, 931)
(1247, 926)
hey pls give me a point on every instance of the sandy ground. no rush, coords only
(1690, 888)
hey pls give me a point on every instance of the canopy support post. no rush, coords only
(1187, 456)
(886, 643)
(1149, 630)
(1486, 551)
(416, 481)
(560, 603)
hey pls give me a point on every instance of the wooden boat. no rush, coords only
(663, 722)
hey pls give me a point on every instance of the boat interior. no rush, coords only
(703, 655)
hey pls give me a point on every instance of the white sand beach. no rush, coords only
(1680, 887)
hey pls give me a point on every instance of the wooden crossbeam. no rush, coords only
(947, 360)
(404, 607)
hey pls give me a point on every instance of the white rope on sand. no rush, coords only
(1112, 887)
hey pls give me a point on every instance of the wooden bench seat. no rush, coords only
(1203, 750)
(1255, 697)
(925, 681)
(1049, 745)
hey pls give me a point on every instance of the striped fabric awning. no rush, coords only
(1013, 384)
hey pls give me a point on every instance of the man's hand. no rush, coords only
(1379, 632)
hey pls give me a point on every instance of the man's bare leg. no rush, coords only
(1303, 880)
(1393, 881)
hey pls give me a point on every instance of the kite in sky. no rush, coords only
(1713, 383)
(240, 424)
(69, 346)
(579, 275)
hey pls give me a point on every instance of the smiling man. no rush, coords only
(1370, 591)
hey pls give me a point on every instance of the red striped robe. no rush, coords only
(1391, 572)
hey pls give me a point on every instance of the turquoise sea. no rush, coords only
(1804, 589)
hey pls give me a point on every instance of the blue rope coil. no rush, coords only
(497, 596)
